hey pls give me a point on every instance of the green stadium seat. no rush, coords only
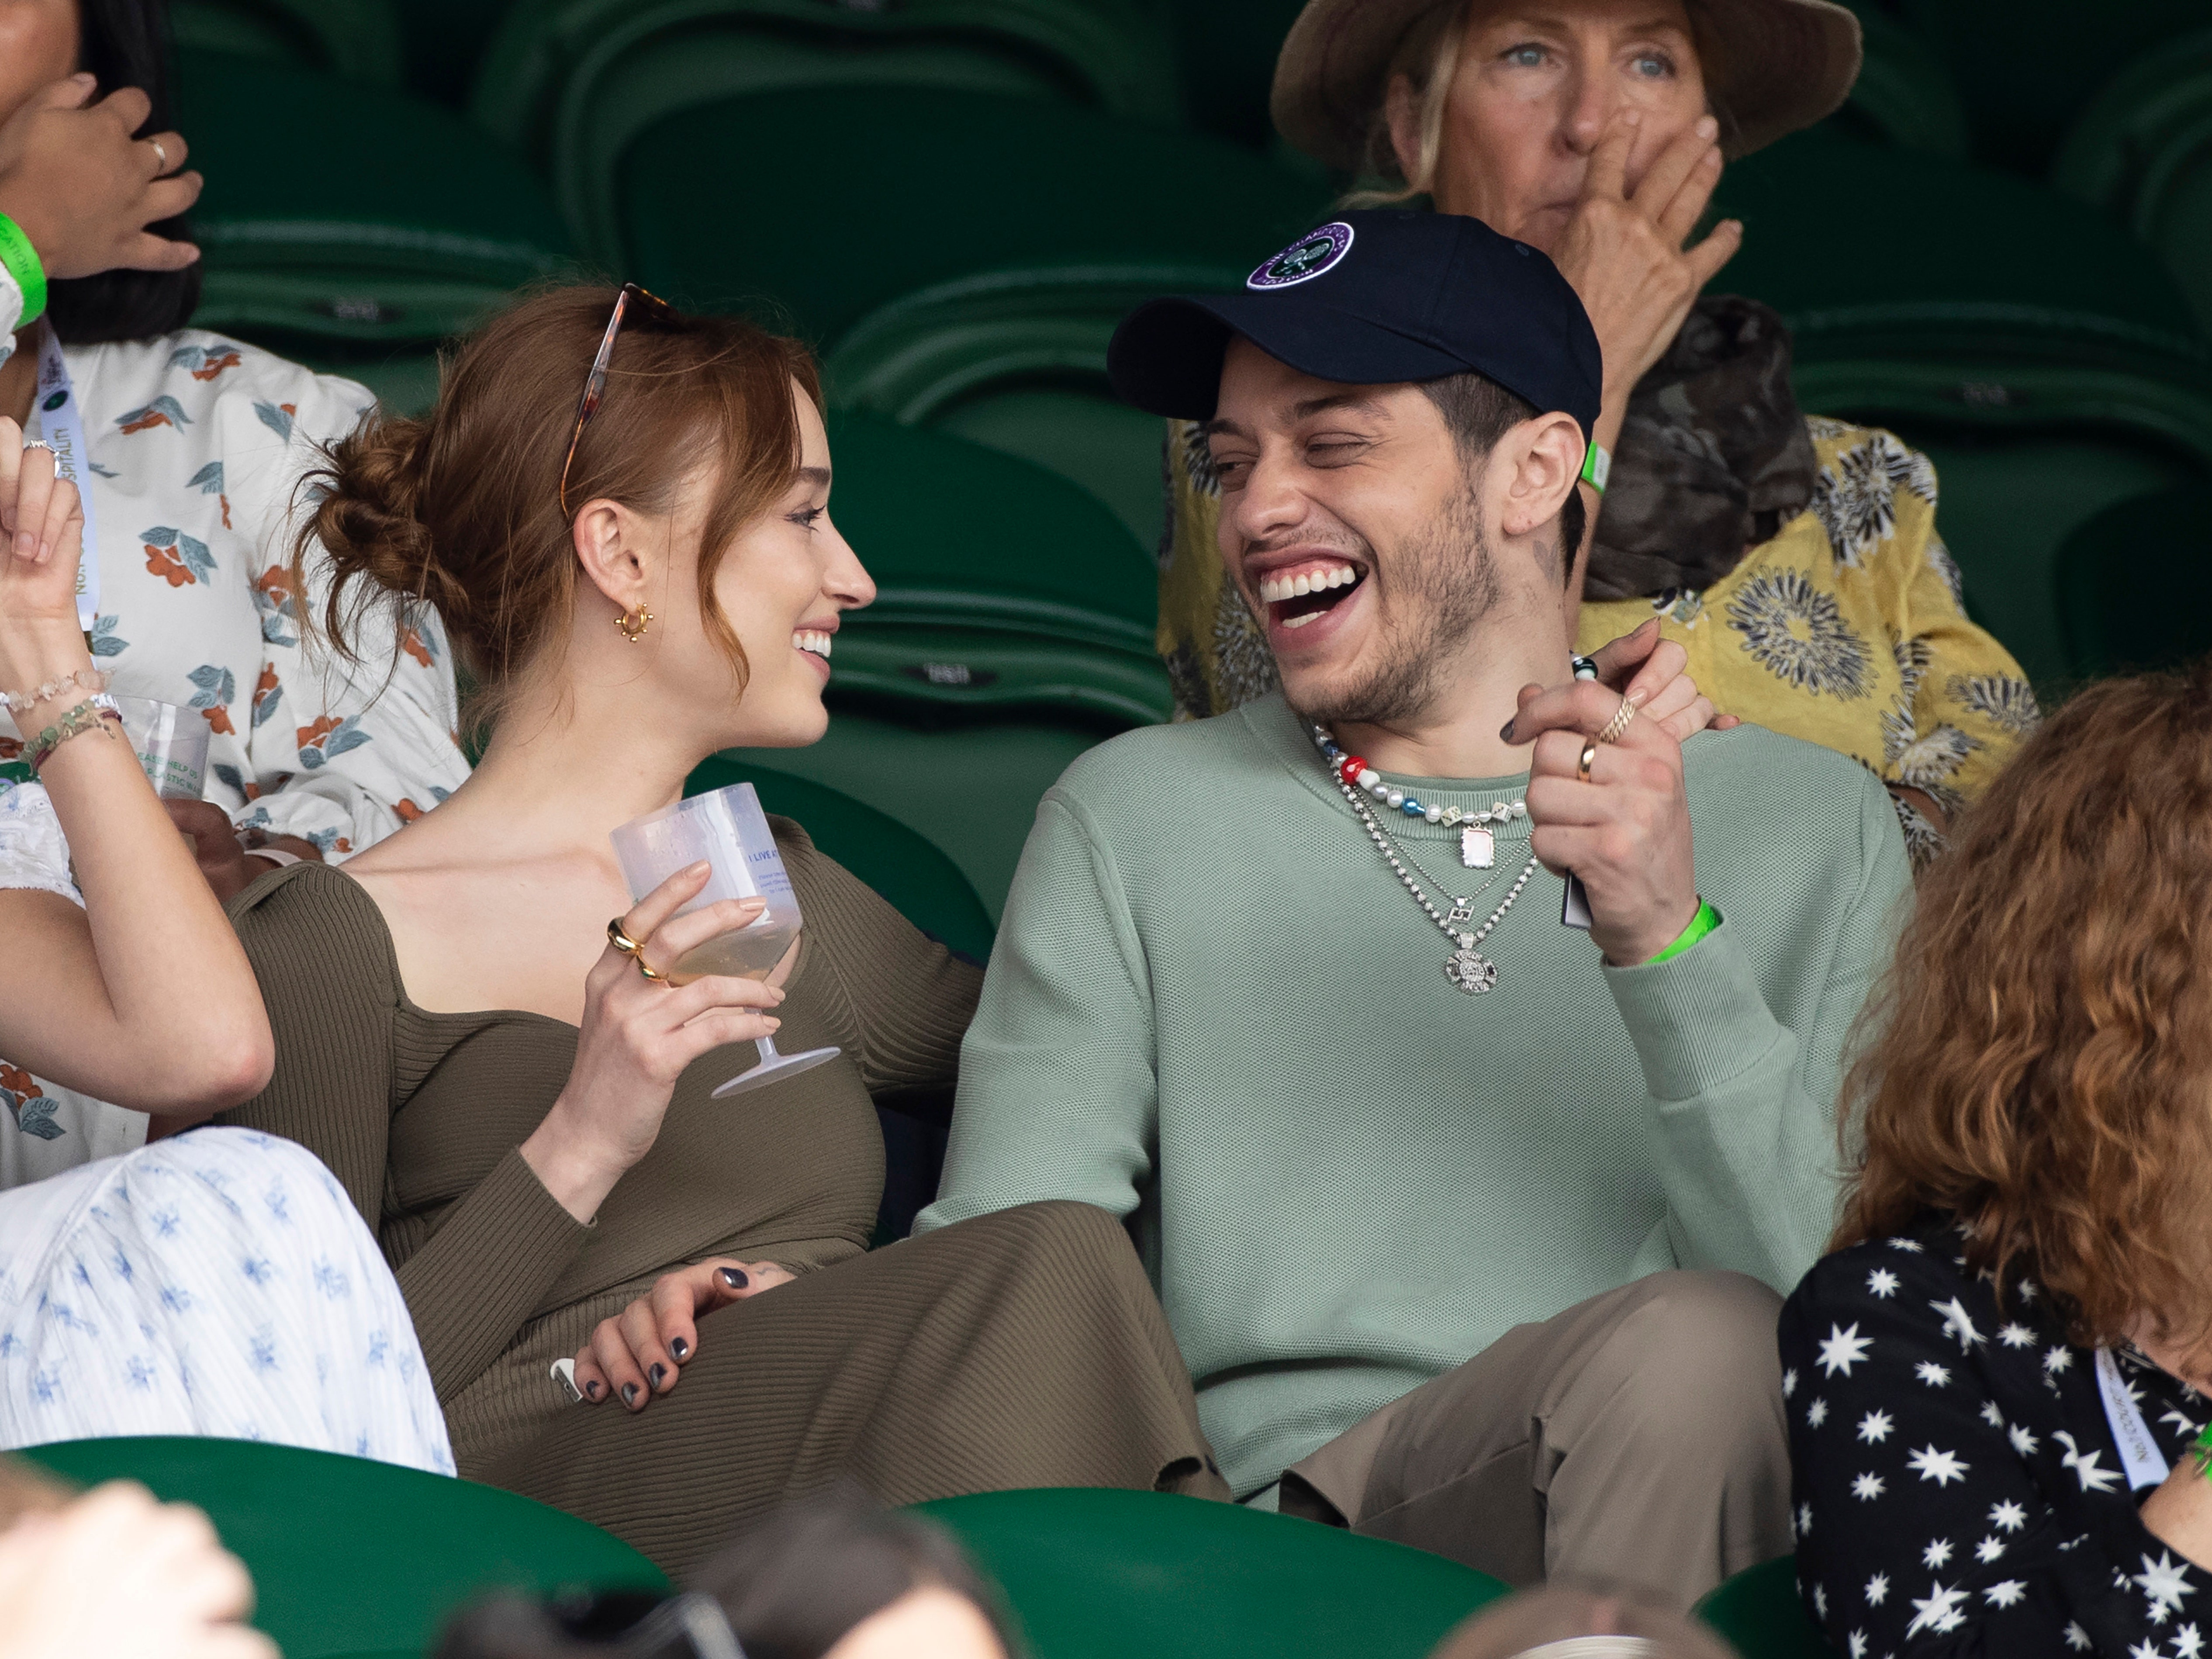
(441, 42)
(1012, 629)
(2025, 69)
(2038, 354)
(376, 226)
(887, 190)
(1758, 1611)
(925, 886)
(358, 39)
(2143, 152)
(1903, 95)
(1015, 359)
(1093, 1574)
(2125, 579)
(1228, 49)
(968, 781)
(354, 1558)
(577, 83)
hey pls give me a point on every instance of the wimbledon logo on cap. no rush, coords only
(1311, 255)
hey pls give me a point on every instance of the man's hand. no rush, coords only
(1625, 832)
(1624, 253)
(223, 858)
(83, 190)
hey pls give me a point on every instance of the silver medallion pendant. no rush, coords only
(1478, 848)
(1471, 971)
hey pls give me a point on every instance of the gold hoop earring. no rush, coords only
(634, 630)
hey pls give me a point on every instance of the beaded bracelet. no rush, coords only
(85, 717)
(89, 679)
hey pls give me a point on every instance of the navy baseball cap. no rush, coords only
(1374, 299)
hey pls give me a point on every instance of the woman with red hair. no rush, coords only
(1996, 1384)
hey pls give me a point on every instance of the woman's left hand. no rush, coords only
(640, 1351)
(1649, 670)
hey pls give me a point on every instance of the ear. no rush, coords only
(1401, 109)
(613, 550)
(1538, 462)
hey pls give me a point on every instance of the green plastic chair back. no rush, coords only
(924, 885)
(351, 1557)
(442, 42)
(2024, 69)
(358, 39)
(896, 188)
(1228, 49)
(2123, 577)
(578, 81)
(2143, 152)
(1015, 359)
(1093, 1574)
(2034, 350)
(1758, 1611)
(1903, 95)
(967, 780)
(376, 220)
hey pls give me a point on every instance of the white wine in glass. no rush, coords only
(729, 830)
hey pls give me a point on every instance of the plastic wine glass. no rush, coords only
(729, 830)
(171, 744)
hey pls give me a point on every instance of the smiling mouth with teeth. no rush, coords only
(811, 641)
(1295, 598)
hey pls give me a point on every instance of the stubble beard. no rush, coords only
(1441, 585)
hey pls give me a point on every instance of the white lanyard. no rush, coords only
(2145, 1464)
(56, 418)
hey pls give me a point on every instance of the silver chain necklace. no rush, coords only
(1467, 968)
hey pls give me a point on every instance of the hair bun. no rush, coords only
(367, 499)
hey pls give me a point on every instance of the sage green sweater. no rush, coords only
(1211, 1003)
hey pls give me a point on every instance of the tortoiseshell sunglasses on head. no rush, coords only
(596, 385)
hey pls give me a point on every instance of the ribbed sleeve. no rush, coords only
(907, 997)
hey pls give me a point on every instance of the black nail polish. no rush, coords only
(1505, 732)
(735, 1277)
(629, 1394)
(595, 1390)
(657, 1373)
(680, 1347)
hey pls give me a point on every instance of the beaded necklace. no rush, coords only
(1467, 968)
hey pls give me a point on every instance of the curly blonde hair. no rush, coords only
(2043, 1070)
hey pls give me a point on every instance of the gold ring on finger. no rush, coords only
(622, 941)
(649, 971)
(1619, 723)
(1583, 766)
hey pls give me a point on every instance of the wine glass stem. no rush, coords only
(768, 1054)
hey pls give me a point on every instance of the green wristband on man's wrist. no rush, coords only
(1703, 923)
(21, 261)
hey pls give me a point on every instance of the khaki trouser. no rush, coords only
(1638, 1435)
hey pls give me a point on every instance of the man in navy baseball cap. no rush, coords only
(1470, 1224)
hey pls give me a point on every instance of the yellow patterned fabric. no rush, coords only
(1847, 630)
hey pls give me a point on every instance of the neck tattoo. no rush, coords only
(1467, 967)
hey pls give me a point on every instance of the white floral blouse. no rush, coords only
(196, 444)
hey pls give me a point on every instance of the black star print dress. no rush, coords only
(1960, 1490)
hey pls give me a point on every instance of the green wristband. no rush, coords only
(1703, 923)
(2201, 1450)
(22, 260)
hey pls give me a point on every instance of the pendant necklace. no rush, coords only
(1467, 968)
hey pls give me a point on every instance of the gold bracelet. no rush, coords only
(87, 716)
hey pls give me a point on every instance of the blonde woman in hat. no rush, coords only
(1795, 558)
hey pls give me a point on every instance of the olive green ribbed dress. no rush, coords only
(1021, 1349)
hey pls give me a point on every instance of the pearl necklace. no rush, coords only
(1478, 843)
(1467, 968)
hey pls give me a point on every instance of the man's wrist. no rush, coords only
(1701, 924)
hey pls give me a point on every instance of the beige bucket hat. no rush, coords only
(1772, 65)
